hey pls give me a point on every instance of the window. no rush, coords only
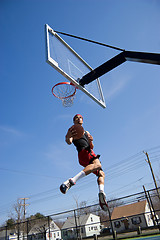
(65, 233)
(91, 219)
(117, 224)
(149, 217)
(49, 235)
(136, 220)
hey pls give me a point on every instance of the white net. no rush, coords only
(67, 102)
(66, 92)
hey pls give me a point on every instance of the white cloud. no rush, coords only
(11, 130)
(115, 85)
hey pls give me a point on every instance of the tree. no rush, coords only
(10, 223)
(16, 217)
(39, 224)
(17, 213)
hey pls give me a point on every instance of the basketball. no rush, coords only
(79, 130)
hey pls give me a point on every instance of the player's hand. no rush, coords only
(71, 132)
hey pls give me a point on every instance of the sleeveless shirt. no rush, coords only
(82, 143)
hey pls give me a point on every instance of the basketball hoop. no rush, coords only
(65, 91)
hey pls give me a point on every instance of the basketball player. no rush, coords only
(87, 158)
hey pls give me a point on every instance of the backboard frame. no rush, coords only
(55, 65)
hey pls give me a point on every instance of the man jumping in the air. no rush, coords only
(87, 158)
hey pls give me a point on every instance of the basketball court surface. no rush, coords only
(145, 238)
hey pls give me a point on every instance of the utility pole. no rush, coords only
(155, 183)
(24, 207)
(24, 214)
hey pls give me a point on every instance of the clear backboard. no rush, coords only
(67, 62)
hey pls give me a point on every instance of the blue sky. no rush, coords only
(34, 158)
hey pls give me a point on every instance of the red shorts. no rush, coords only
(86, 157)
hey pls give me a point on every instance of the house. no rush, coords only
(41, 231)
(130, 217)
(10, 235)
(87, 225)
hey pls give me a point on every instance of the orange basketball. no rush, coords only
(79, 130)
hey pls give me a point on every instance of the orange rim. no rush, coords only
(68, 94)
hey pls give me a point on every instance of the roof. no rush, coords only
(42, 225)
(81, 220)
(129, 210)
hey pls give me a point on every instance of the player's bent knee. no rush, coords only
(98, 165)
(101, 174)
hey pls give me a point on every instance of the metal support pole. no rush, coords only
(76, 223)
(149, 205)
(27, 229)
(49, 227)
(6, 233)
(113, 232)
(144, 57)
(152, 207)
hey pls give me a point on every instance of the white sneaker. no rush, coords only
(102, 201)
(66, 185)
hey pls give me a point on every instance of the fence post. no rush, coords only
(113, 232)
(18, 231)
(49, 228)
(115, 235)
(149, 204)
(155, 217)
(27, 230)
(139, 231)
(76, 223)
(95, 237)
(6, 232)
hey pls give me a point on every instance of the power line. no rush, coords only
(125, 166)
(28, 173)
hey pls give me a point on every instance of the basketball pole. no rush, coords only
(143, 57)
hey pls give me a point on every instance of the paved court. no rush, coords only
(147, 238)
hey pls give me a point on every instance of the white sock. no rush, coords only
(101, 188)
(79, 176)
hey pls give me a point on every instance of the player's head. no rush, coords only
(78, 119)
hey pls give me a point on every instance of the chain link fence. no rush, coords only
(132, 215)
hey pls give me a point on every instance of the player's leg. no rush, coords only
(71, 182)
(100, 180)
(92, 167)
(102, 195)
(85, 160)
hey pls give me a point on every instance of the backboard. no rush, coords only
(67, 62)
